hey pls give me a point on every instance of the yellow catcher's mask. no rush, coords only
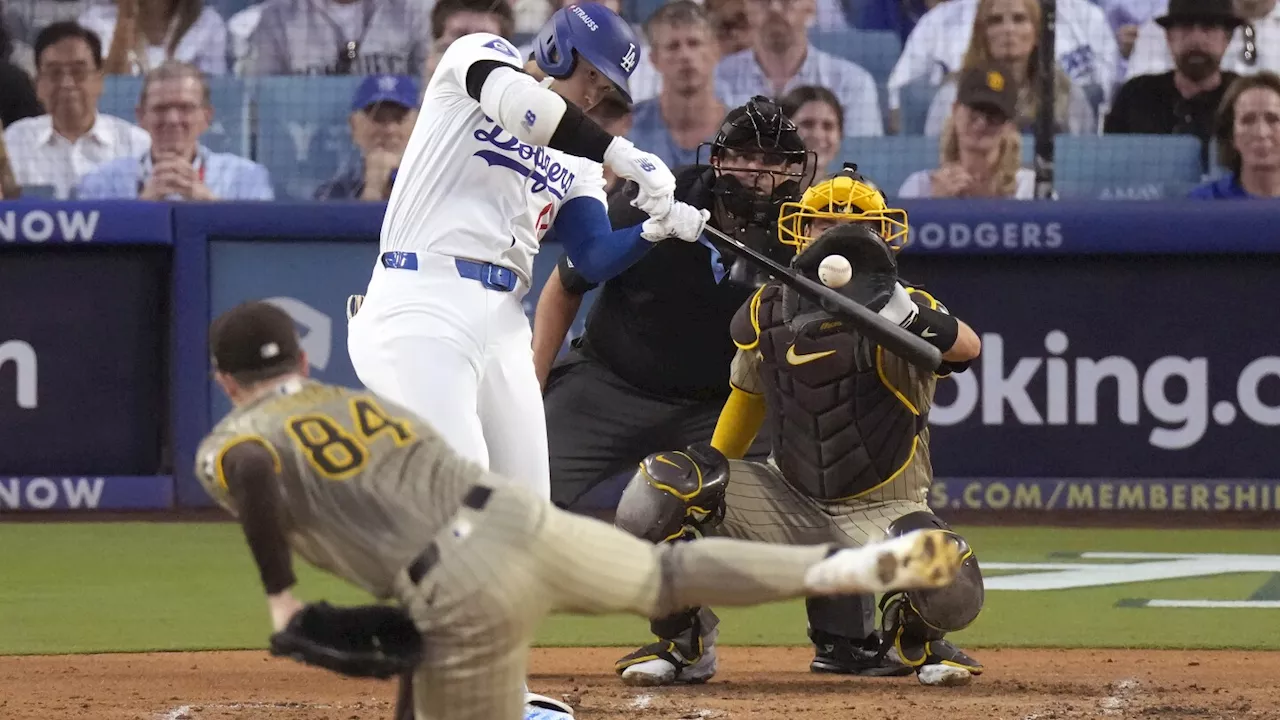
(847, 197)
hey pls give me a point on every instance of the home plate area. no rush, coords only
(754, 682)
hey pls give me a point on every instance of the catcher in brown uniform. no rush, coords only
(848, 422)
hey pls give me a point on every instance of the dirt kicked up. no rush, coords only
(758, 683)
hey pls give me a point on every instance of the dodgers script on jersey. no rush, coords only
(469, 189)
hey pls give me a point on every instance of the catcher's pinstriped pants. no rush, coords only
(760, 505)
(502, 568)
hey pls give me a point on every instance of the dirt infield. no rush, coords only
(758, 683)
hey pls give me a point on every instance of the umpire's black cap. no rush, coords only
(255, 338)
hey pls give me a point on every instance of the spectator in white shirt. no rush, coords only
(1126, 17)
(1007, 32)
(980, 148)
(1084, 46)
(782, 58)
(1254, 46)
(452, 19)
(56, 149)
(142, 34)
(341, 37)
(818, 116)
(240, 29)
(26, 18)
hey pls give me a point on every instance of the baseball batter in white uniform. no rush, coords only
(502, 151)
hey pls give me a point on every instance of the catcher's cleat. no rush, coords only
(353, 305)
(662, 663)
(846, 656)
(920, 559)
(938, 662)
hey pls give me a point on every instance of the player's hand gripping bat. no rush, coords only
(905, 345)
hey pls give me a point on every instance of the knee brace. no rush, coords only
(673, 492)
(930, 614)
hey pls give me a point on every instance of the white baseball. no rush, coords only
(835, 271)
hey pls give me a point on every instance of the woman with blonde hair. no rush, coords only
(143, 34)
(980, 148)
(1007, 32)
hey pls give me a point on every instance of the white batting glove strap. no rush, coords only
(645, 169)
(901, 310)
(654, 207)
(684, 222)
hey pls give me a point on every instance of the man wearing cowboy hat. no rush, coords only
(1181, 101)
(1254, 43)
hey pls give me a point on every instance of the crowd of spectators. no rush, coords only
(1201, 68)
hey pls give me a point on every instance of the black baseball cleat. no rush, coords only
(845, 656)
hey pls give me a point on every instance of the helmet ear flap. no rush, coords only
(554, 51)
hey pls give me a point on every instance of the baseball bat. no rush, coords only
(905, 345)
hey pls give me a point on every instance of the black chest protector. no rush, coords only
(837, 428)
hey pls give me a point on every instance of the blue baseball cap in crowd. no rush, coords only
(398, 89)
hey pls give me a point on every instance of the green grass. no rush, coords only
(73, 588)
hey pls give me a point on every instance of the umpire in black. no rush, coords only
(650, 370)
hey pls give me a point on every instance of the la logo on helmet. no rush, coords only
(629, 60)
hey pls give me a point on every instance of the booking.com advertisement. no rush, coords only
(1092, 368)
(1145, 380)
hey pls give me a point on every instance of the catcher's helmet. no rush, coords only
(846, 197)
(592, 31)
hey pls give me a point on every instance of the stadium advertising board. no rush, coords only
(1122, 364)
(83, 358)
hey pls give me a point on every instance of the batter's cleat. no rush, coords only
(353, 305)
(846, 656)
(662, 663)
(534, 700)
(921, 559)
(534, 712)
(938, 662)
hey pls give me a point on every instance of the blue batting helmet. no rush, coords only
(596, 33)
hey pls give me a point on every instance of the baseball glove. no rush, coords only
(875, 269)
(375, 641)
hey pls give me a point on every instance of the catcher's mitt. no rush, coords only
(875, 269)
(367, 641)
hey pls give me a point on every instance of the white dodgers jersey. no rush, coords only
(466, 187)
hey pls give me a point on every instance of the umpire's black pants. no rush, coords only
(600, 426)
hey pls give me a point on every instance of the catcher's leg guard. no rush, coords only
(670, 497)
(916, 621)
(673, 493)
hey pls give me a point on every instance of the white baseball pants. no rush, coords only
(460, 356)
